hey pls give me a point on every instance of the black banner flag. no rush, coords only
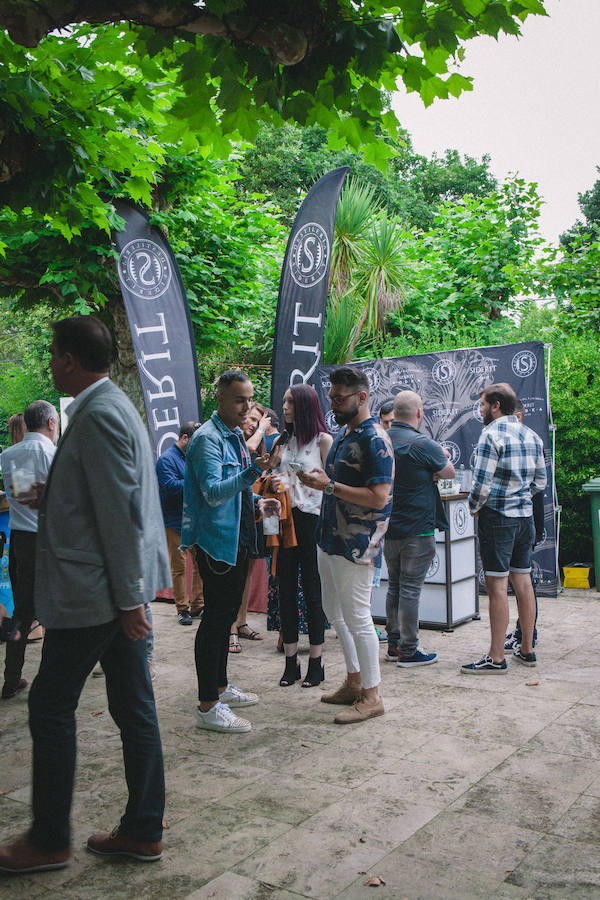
(161, 328)
(449, 383)
(300, 321)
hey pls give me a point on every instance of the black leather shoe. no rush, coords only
(10, 688)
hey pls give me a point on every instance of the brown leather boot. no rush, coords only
(345, 695)
(22, 857)
(118, 844)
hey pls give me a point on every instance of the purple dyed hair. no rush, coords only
(308, 415)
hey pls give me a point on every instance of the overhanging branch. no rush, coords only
(28, 21)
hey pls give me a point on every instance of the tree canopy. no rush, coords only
(210, 73)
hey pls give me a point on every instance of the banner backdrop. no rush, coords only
(161, 328)
(449, 383)
(300, 321)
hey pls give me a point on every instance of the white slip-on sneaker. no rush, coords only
(221, 718)
(234, 698)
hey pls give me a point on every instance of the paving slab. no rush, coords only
(469, 788)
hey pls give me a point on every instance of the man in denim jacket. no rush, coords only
(219, 523)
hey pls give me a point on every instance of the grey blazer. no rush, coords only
(101, 541)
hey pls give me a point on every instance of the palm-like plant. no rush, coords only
(379, 278)
(356, 210)
(367, 272)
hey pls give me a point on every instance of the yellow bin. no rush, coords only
(579, 575)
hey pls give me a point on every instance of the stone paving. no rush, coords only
(469, 787)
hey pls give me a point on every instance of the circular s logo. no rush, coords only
(332, 425)
(373, 378)
(144, 269)
(309, 255)
(460, 518)
(477, 411)
(444, 371)
(524, 363)
(453, 449)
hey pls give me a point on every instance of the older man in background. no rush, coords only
(31, 458)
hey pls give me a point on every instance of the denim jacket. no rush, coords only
(213, 482)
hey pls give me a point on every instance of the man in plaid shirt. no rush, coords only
(509, 468)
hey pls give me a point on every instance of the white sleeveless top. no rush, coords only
(306, 499)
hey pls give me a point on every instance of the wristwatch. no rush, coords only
(329, 488)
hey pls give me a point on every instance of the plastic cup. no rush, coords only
(270, 525)
(22, 479)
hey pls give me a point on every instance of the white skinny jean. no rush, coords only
(346, 596)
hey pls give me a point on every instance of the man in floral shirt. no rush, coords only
(357, 488)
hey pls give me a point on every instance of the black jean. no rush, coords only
(288, 560)
(223, 589)
(68, 657)
(21, 570)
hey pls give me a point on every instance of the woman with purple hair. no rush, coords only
(306, 449)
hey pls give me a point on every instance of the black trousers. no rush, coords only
(288, 560)
(21, 569)
(223, 589)
(68, 657)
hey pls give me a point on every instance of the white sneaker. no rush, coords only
(234, 698)
(221, 718)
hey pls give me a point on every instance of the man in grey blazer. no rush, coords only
(101, 554)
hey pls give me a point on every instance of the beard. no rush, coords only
(488, 418)
(342, 418)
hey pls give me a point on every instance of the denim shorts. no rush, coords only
(505, 543)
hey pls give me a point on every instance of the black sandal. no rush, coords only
(315, 673)
(292, 671)
(250, 635)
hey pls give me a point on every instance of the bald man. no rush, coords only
(410, 540)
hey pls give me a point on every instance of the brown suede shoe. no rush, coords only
(345, 695)
(360, 712)
(11, 688)
(118, 844)
(22, 857)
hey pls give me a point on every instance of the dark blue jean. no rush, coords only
(407, 560)
(68, 657)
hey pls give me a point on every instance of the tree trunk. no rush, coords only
(356, 336)
(124, 371)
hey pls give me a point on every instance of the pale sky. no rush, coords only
(535, 108)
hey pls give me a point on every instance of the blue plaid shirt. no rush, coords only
(509, 468)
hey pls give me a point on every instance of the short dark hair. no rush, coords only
(189, 428)
(501, 393)
(229, 377)
(87, 339)
(386, 408)
(349, 377)
(519, 406)
(37, 415)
